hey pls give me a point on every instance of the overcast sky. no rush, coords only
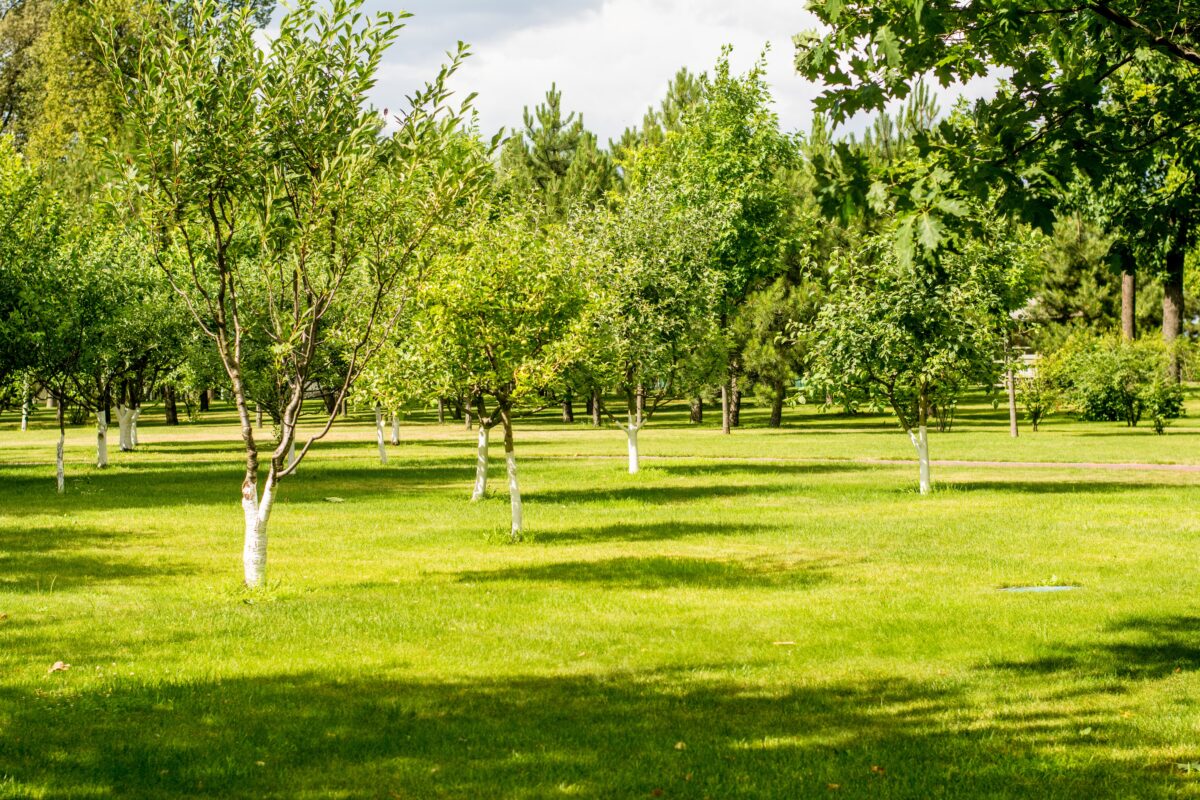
(611, 58)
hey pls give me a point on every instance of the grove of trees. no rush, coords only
(190, 208)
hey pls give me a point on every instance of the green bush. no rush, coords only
(1107, 379)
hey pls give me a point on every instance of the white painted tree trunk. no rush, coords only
(254, 549)
(133, 421)
(379, 436)
(58, 462)
(920, 441)
(481, 463)
(101, 439)
(395, 429)
(514, 494)
(631, 436)
(124, 421)
(25, 405)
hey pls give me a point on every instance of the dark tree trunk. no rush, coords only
(1128, 304)
(456, 408)
(1172, 319)
(169, 406)
(204, 400)
(735, 404)
(568, 409)
(777, 405)
(588, 404)
(596, 421)
(697, 410)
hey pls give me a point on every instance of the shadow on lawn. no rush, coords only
(649, 532)
(662, 572)
(625, 735)
(1058, 486)
(1137, 647)
(72, 556)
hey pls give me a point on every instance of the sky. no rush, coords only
(612, 59)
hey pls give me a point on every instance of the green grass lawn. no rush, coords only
(760, 615)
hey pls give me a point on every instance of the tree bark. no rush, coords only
(697, 410)
(1172, 318)
(1010, 380)
(481, 461)
(596, 421)
(395, 429)
(777, 397)
(25, 405)
(258, 416)
(920, 441)
(204, 399)
(1128, 305)
(514, 488)
(125, 428)
(640, 396)
(441, 411)
(725, 408)
(170, 406)
(631, 436)
(102, 438)
(379, 436)
(60, 470)
(568, 409)
(735, 403)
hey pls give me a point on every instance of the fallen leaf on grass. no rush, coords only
(335, 499)
(784, 644)
(58, 666)
(681, 745)
(878, 770)
(833, 787)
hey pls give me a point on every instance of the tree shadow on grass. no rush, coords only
(158, 485)
(664, 572)
(1055, 486)
(649, 532)
(72, 556)
(757, 468)
(620, 735)
(654, 495)
(1136, 647)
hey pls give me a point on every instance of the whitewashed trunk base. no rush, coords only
(481, 464)
(514, 495)
(379, 436)
(920, 441)
(101, 439)
(631, 436)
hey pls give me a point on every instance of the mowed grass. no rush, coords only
(759, 615)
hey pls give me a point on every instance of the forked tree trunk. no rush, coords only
(379, 436)
(514, 488)
(481, 462)
(102, 438)
(257, 514)
(631, 437)
(395, 429)
(125, 428)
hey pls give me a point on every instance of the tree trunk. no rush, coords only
(102, 438)
(204, 399)
(481, 461)
(514, 488)
(379, 436)
(631, 436)
(60, 470)
(395, 429)
(258, 415)
(596, 403)
(257, 514)
(291, 456)
(133, 427)
(735, 403)
(920, 441)
(25, 405)
(441, 411)
(568, 409)
(1010, 380)
(1128, 304)
(725, 410)
(697, 410)
(1172, 319)
(170, 406)
(777, 397)
(588, 403)
(467, 418)
(124, 428)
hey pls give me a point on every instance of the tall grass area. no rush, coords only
(769, 614)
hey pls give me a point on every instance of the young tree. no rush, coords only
(496, 319)
(277, 212)
(654, 302)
